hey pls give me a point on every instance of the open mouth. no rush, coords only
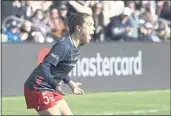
(90, 36)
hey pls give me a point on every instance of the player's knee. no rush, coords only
(63, 107)
(53, 111)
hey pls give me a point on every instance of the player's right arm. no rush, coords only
(57, 53)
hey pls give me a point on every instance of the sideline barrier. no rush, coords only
(101, 67)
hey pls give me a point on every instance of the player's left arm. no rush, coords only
(66, 79)
(73, 85)
(57, 53)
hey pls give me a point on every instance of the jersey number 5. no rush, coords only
(45, 98)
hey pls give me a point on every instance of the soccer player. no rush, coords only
(42, 90)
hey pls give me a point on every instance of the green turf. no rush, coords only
(136, 102)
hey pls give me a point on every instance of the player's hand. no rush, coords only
(75, 89)
(59, 90)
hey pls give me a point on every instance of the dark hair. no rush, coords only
(52, 7)
(76, 19)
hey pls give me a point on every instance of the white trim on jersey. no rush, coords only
(71, 40)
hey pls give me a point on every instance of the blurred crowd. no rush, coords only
(46, 21)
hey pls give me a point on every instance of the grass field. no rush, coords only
(108, 103)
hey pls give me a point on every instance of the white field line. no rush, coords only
(136, 112)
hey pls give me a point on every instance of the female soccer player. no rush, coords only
(42, 89)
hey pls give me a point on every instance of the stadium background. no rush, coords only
(143, 35)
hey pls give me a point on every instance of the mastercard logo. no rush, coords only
(43, 52)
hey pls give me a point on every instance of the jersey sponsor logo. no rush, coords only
(54, 56)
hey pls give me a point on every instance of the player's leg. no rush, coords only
(53, 104)
(43, 102)
(47, 103)
(53, 111)
(63, 107)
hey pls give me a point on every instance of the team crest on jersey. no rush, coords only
(51, 98)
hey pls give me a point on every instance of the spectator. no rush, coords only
(166, 11)
(163, 31)
(159, 6)
(63, 13)
(25, 31)
(28, 10)
(120, 27)
(109, 18)
(58, 3)
(38, 36)
(30, 33)
(147, 33)
(111, 8)
(37, 16)
(18, 8)
(55, 23)
(13, 32)
(31, 7)
(146, 16)
(46, 4)
(63, 10)
(134, 18)
(38, 21)
(78, 7)
(99, 22)
(152, 7)
(89, 3)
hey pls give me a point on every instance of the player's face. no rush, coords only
(87, 29)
